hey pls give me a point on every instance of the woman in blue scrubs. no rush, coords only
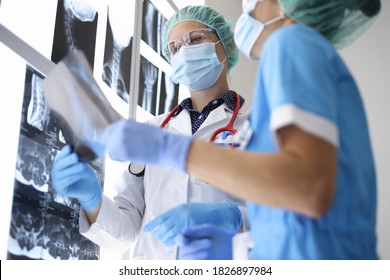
(308, 172)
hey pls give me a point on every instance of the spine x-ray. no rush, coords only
(76, 25)
(157, 93)
(117, 51)
(44, 225)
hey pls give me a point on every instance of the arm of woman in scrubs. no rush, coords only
(301, 175)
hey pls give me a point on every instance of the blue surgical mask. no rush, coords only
(247, 30)
(197, 66)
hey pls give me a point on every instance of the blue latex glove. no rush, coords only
(74, 178)
(127, 140)
(169, 224)
(205, 242)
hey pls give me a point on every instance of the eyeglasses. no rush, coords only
(193, 37)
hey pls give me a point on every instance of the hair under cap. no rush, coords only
(209, 17)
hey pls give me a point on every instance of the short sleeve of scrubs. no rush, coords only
(299, 82)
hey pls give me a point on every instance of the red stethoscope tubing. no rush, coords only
(168, 118)
(229, 127)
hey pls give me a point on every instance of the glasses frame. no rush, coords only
(184, 40)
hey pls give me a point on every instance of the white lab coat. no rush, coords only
(141, 199)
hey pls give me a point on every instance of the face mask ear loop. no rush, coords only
(223, 61)
(281, 16)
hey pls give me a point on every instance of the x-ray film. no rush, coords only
(75, 28)
(44, 224)
(73, 93)
(158, 94)
(118, 47)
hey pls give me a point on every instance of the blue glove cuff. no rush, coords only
(237, 222)
(94, 201)
(175, 150)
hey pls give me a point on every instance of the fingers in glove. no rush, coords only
(66, 181)
(201, 231)
(163, 230)
(65, 151)
(64, 161)
(169, 239)
(77, 169)
(156, 222)
(195, 250)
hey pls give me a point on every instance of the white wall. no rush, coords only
(369, 61)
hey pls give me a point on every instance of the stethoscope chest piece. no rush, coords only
(137, 169)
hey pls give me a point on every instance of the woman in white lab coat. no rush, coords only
(155, 203)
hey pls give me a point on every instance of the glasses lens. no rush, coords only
(173, 47)
(193, 37)
(198, 36)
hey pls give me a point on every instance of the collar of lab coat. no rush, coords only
(182, 122)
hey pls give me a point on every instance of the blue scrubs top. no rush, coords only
(303, 81)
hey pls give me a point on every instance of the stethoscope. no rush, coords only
(138, 169)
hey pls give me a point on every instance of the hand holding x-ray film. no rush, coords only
(83, 111)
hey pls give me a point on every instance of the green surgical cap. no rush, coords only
(210, 18)
(341, 21)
